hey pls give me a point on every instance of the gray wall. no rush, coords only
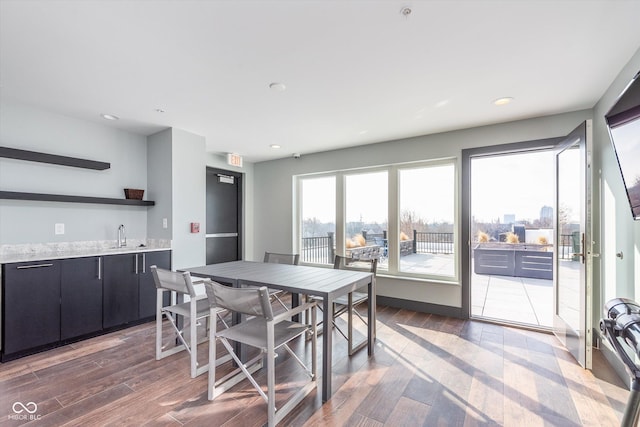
(274, 181)
(170, 166)
(33, 221)
(189, 198)
(620, 233)
(159, 177)
(613, 277)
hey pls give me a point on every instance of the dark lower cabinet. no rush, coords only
(120, 290)
(47, 303)
(30, 305)
(147, 287)
(80, 297)
(128, 289)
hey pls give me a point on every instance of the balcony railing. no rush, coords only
(569, 244)
(321, 249)
(318, 250)
(432, 243)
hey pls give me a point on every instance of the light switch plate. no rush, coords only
(164, 223)
(59, 229)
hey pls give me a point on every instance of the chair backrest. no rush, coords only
(173, 281)
(249, 301)
(276, 258)
(344, 263)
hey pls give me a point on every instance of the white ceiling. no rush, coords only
(356, 72)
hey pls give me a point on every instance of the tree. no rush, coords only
(408, 222)
(564, 217)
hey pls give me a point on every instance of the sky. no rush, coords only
(425, 191)
(518, 184)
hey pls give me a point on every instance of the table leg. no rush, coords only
(295, 301)
(327, 345)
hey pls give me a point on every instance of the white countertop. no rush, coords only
(40, 252)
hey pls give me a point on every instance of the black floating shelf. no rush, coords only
(13, 195)
(34, 156)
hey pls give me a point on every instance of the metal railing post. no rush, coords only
(415, 241)
(331, 250)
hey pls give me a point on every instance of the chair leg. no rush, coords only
(193, 339)
(159, 298)
(314, 343)
(178, 335)
(245, 368)
(349, 336)
(271, 377)
(350, 322)
(211, 379)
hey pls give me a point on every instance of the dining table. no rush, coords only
(326, 283)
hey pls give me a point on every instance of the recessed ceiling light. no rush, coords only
(503, 101)
(274, 146)
(278, 87)
(109, 117)
(405, 11)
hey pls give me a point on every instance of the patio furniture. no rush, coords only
(348, 303)
(512, 259)
(297, 279)
(180, 314)
(277, 258)
(363, 252)
(263, 331)
(406, 247)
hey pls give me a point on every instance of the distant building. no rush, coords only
(509, 218)
(546, 212)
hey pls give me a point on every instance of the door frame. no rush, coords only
(239, 177)
(580, 345)
(465, 233)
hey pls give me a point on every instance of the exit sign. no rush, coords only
(234, 160)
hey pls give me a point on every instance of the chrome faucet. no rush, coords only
(122, 238)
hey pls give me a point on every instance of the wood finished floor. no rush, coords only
(427, 370)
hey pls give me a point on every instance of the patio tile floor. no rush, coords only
(513, 299)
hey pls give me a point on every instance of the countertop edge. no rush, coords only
(44, 256)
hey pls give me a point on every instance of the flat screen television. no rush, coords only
(623, 121)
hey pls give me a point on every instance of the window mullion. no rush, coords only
(340, 215)
(393, 234)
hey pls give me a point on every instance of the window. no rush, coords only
(318, 220)
(366, 209)
(427, 220)
(403, 214)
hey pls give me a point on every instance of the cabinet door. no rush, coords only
(120, 289)
(147, 287)
(31, 305)
(81, 296)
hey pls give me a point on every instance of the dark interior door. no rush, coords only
(224, 213)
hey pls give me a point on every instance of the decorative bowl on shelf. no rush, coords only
(133, 193)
